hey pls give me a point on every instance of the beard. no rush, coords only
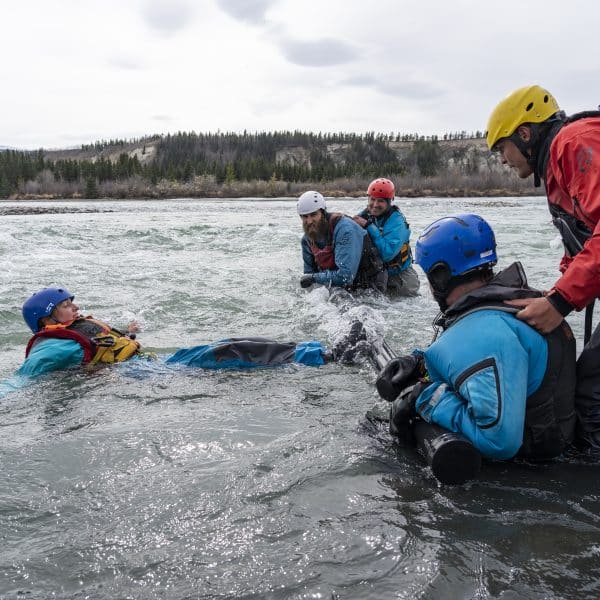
(317, 232)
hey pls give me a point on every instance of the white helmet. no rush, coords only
(309, 202)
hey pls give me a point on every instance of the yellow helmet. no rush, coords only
(529, 104)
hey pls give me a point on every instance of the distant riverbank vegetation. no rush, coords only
(276, 164)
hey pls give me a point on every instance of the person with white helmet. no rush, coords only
(335, 250)
(390, 233)
(63, 338)
(510, 392)
(534, 137)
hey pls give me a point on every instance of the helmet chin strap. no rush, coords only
(539, 135)
(440, 298)
(529, 149)
(441, 289)
(441, 285)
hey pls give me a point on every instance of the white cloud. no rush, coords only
(167, 16)
(80, 71)
(318, 53)
(129, 63)
(251, 11)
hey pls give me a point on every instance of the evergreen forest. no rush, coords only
(153, 165)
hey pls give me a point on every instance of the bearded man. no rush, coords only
(336, 251)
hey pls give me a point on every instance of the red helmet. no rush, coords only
(381, 188)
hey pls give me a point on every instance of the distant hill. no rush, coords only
(258, 164)
(144, 149)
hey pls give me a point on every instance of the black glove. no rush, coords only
(307, 280)
(403, 413)
(398, 374)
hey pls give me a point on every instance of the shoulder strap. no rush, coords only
(585, 114)
(574, 233)
(89, 348)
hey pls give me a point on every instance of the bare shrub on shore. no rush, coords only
(454, 181)
(46, 186)
(131, 187)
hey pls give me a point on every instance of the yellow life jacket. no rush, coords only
(101, 343)
(400, 259)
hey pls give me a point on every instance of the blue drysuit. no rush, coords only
(496, 380)
(236, 353)
(348, 246)
(482, 369)
(389, 234)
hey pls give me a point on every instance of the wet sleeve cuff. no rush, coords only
(559, 303)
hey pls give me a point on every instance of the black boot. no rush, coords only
(353, 344)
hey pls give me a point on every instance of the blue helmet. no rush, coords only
(452, 247)
(41, 304)
(463, 242)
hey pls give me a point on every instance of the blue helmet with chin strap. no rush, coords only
(41, 304)
(453, 247)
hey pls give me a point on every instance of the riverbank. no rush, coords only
(206, 187)
(449, 168)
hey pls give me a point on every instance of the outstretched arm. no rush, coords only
(488, 414)
(479, 385)
(540, 313)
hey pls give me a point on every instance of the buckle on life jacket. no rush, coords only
(401, 258)
(104, 340)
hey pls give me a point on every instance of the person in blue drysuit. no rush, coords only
(389, 231)
(335, 250)
(62, 339)
(489, 376)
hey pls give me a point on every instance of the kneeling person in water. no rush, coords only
(489, 376)
(63, 339)
(335, 250)
(390, 233)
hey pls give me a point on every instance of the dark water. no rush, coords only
(140, 481)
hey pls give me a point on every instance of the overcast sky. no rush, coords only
(77, 71)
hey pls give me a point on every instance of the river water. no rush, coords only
(151, 482)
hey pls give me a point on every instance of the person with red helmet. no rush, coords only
(390, 233)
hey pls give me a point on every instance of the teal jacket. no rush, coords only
(389, 233)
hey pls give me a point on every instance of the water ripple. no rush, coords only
(148, 481)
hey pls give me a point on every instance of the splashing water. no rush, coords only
(143, 481)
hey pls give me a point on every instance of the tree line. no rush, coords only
(226, 157)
